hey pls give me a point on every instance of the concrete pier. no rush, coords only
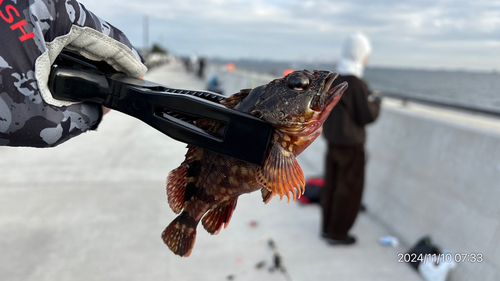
(94, 209)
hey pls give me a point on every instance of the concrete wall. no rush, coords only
(430, 176)
(430, 172)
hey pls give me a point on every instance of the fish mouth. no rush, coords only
(323, 100)
(336, 92)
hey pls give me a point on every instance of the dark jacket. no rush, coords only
(346, 123)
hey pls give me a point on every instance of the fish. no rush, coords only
(206, 185)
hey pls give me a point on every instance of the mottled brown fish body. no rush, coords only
(223, 179)
(206, 185)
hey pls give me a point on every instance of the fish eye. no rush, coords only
(298, 81)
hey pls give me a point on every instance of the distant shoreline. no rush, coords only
(333, 63)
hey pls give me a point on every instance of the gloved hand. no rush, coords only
(31, 37)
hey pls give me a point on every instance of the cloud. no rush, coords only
(294, 29)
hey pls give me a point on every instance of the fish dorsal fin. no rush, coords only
(179, 178)
(281, 173)
(218, 216)
(234, 100)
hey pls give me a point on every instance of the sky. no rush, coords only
(429, 34)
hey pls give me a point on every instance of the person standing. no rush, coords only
(345, 133)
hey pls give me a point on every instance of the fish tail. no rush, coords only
(180, 234)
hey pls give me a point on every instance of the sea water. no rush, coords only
(462, 86)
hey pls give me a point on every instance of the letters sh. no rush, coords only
(9, 14)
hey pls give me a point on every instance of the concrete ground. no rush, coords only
(94, 209)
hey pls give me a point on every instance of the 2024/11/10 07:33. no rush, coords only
(442, 257)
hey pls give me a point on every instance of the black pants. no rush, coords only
(344, 180)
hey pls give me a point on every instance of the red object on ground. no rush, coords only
(316, 181)
(313, 190)
(304, 200)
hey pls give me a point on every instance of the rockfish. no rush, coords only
(206, 185)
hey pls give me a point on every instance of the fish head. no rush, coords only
(297, 104)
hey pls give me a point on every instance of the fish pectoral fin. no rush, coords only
(178, 178)
(218, 216)
(281, 173)
(234, 100)
(267, 195)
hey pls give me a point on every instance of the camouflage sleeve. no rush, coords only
(32, 34)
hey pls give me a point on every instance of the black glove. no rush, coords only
(31, 37)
